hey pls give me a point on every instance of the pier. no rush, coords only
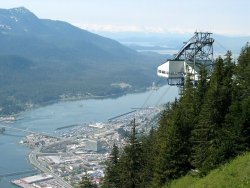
(18, 173)
(4, 127)
(121, 115)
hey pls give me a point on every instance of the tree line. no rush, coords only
(206, 127)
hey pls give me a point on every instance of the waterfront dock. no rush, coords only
(18, 173)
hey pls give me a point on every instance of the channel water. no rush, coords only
(13, 156)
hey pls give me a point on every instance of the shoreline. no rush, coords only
(15, 116)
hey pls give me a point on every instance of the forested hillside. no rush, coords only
(42, 60)
(208, 126)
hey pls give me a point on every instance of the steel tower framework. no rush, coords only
(195, 53)
(198, 50)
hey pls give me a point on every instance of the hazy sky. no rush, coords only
(229, 17)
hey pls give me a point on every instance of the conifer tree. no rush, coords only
(112, 174)
(175, 150)
(149, 156)
(197, 133)
(201, 90)
(131, 161)
(244, 84)
(207, 136)
(86, 182)
(238, 121)
(161, 141)
(135, 157)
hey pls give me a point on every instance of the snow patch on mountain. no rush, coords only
(14, 18)
(20, 10)
(6, 27)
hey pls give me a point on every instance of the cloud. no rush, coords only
(159, 30)
(120, 28)
(131, 28)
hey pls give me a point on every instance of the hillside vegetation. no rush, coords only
(205, 128)
(234, 174)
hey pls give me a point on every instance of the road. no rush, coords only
(33, 160)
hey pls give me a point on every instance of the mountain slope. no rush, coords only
(234, 174)
(22, 33)
(42, 60)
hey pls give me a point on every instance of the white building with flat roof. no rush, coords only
(93, 145)
(36, 178)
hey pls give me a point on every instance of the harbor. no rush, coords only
(82, 149)
(92, 120)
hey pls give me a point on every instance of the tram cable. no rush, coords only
(150, 95)
(147, 99)
(221, 46)
(166, 91)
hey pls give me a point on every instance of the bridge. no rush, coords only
(4, 127)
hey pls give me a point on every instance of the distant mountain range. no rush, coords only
(155, 41)
(42, 60)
